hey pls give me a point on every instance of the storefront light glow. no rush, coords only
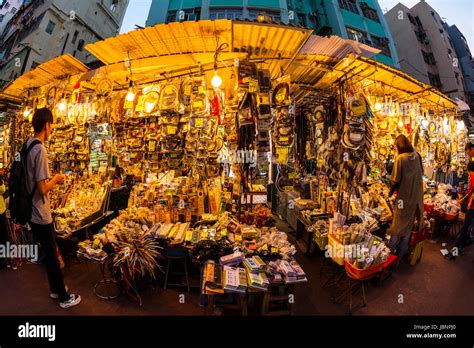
(62, 105)
(216, 80)
(130, 95)
(27, 112)
(425, 123)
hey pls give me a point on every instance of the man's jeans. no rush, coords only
(402, 243)
(44, 235)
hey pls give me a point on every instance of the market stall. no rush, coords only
(202, 117)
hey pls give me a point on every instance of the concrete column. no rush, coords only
(205, 9)
(245, 10)
(284, 11)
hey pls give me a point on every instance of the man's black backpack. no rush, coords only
(21, 201)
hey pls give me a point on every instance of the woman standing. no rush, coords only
(3, 220)
(407, 181)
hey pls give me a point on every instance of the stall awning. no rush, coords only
(44, 74)
(383, 79)
(173, 39)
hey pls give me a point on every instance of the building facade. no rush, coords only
(425, 48)
(8, 9)
(45, 29)
(465, 62)
(349, 19)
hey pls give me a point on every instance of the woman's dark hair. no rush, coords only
(470, 167)
(403, 145)
(40, 118)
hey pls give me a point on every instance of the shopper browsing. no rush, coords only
(3, 220)
(464, 237)
(470, 151)
(39, 184)
(407, 181)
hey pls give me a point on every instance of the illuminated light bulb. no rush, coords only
(130, 95)
(425, 123)
(26, 113)
(400, 123)
(378, 106)
(216, 80)
(460, 126)
(62, 105)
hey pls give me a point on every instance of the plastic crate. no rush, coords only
(419, 236)
(365, 273)
(450, 217)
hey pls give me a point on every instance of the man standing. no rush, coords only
(39, 184)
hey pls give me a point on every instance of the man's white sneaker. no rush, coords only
(74, 300)
(55, 296)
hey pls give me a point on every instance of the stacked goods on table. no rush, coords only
(92, 249)
(255, 273)
(441, 205)
(258, 216)
(321, 230)
(351, 241)
(83, 202)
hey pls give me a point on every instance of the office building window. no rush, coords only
(274, 15)
(225, 13)
(382, 44)
(171, 17)
(80, 45)
(113, 6)
(428, 58)
(192, 14)
(14, 9)
(418, 22)
(369, 12)
(7, 5)
(301, 19)
(412, 20)
(422, 37)
(357, 35)
(50, 27)
(435, 81)
(74, 37)
(349, 5)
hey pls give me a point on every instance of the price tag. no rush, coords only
(253, 86)
(171, 129)
(282, 154)
(292, 175)
(139, 103)
(198, 122)
(274, 250)
(265, 247)
(127, 105)
(283, 139)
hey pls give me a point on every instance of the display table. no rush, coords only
(106, 282)
(305, 237)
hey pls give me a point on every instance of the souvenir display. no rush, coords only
(210, 168)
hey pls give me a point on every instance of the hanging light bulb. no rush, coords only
(460, 126)
(425, 123)
(62, 104)
(130, 95)
(26, 112)
(400, 123)
(216, 80)
(378, 106)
